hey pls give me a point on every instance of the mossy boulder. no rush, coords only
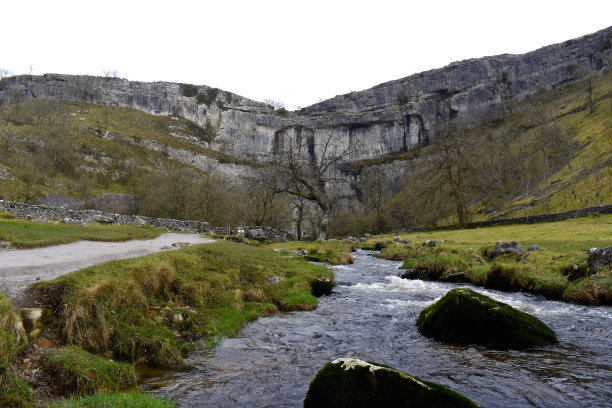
(348, 382)
(467, 317)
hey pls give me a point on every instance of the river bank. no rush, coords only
(157, 308)
(554, 262)
(371, 315)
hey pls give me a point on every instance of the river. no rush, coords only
(371, 315)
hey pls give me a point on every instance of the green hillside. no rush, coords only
(550, 153)
(82, 150)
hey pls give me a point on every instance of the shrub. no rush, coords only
(188, 90)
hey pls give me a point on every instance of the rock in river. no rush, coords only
(348, 382)
(467, 317)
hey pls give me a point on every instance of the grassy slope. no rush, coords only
(581, 184)
(585, 183)
(31, 234)
(106, 159)
(545, 272)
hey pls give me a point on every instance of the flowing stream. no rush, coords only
(371, 316)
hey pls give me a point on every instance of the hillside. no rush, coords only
(498, 136)
(84, 150)
(547, 154)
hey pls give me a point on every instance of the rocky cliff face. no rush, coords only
(389, 118)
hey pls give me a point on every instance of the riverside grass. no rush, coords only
(14, 392)
(544, 272)
(79, 372)
(114, 400)
(151, 309)
(333, 252)
(30, 234)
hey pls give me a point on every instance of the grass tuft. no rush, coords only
(81, 373)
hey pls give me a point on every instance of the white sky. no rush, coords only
(295, 52)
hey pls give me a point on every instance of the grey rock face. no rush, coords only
(389, 118)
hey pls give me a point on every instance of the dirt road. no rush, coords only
(19, 268)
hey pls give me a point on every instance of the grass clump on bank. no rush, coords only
(14, 392)
(151, 309)
(31, 234)
(114, 400)
(80, 372)
(559, 270)
(333, 252)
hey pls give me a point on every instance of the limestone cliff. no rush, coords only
(388, 118)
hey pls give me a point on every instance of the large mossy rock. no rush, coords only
(467, 317)
(348, 382)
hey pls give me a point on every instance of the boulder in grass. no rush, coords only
(599, 257)
(503, 248)
(348, 382)
(467, 317)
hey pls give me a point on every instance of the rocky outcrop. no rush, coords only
(34, 320)
(389, 118)
(467, 317)
(503, 248)
(348, 382)
(599, 257)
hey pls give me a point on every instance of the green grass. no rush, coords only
(333, 252)
(151, 309)
(543, 272)
(78, 372)
(30, 234)
(114, 400)
(14, 392)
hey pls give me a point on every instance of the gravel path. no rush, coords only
(19, 268)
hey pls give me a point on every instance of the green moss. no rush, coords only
(354, 383)
(114, 400)
(467, 317)
(79, 372)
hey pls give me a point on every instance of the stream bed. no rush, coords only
(371, 315)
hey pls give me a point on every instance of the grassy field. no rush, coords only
(30, 234)
(558, 271)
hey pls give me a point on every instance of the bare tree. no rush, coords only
(262, 205)
(376, 191)
(305, 168)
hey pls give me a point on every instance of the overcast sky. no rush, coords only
(295, 52)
